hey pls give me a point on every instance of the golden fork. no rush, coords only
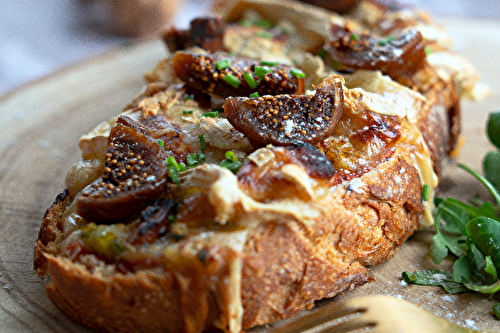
(372, 314)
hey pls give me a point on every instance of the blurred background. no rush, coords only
(38, 38)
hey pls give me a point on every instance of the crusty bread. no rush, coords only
(299, 221)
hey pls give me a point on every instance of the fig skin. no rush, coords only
(135, 175)
(286, 119)
(396, 56)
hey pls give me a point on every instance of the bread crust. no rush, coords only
(285, 266)
(265, 269)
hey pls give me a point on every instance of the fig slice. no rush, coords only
(286, 119)
(394, 55)
(135, 175)
(225, 75)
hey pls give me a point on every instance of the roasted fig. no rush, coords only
(205, 32)
(225, 75)
(135, 175)
(285, 119)
(394, 56)
(154, 223)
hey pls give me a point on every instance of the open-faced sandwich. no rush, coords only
(276, 153)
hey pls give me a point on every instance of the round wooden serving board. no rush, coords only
(40, 125)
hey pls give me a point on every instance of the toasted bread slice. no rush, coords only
(249, 237)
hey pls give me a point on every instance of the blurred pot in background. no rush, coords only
(133, 17)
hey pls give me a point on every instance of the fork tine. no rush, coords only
(322, 315)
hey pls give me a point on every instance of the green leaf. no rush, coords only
(493, 128)
(487, 289)
(439, 250)
(484, 181)
(490, 268)
(496, 310)
(485, 234)
(435, 277)
(454, 214)
(491, 168)
(461, 270)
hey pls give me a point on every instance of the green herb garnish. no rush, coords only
(201, 156)
(192, 160)
(386, 41)
(221, 64)
(264, 34)
(354, 37)
(212, 114)
(254, 95)
(202, 141)
(232, 80)
(428, 50)
(188, 97)
(250, 80)
(173, 170)
(297, 73)
(263, 23)
(269, 63)
(470, 232)
(260, 71)
(161, 143)
(187, 112)
(231, 162)
(426, 189)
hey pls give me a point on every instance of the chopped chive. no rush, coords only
(246, 23)
(354, 37)
(192, 160)
(221, 64)
(250, 80)
(161, 143)
(428, 50)
(233, 166)
(173, 169)
(232, 80)
(264, 34)
(202, 141)
(425, 192)
(254, 95)
(269, 63)
(182, 167)
(212, 114)
(260, 71)
(187, 112)
(230, 156)
(297, 73)
(386, 41)
(171, 218)
(188, 97)
(201, 156)
(263, 23)
(321, 53)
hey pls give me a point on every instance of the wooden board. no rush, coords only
(40, 125)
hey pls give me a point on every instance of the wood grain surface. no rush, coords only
(40, 125)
